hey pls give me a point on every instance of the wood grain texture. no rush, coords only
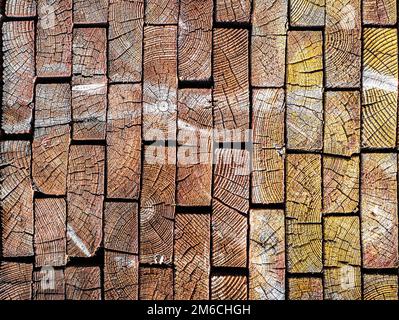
(195, 40)
(162, 11)
(124, 141)
(89, 86)
(304, 247)
(303, 188)
(268, 61)
(230, 206)
(20, 8)
(379, 217)
(18, 76)
(156, 283)
(233, 10)
(267, 255)
(341, 185)
(194, 167)
(379, 12)
(268, 42)
(192, 261)
(304, 90)
(125, 40)
(303, 213)
(90, 11)
(51, 140)
(121, 273)
(89, 106)
(54, 38)
(269, 17)
(308, 13)
(50, 232)
(268, 145)
(89, 51)
(85, 200)
(268, 117)
(48, 284)
(380, 88)
(307, 288)
(267, 176)
(343, 43)
(342, 258)
(121, 227)
(82, 283)
(231, 90)
(16, 195)
(342, 122)
(226, 287)
(157, 205)
(380, 287)
(15, 281)
(160, 83)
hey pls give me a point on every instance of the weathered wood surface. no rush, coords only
(157, 205)
(267, 255)
(194, 167)
(268, 61)
(303, 213)
(195, 40)
(342, 258)
(192, 245)
(121, 275)
(125, 40)
(268, 43)
(124, 141)
(269, 17)
(305, 288)
(268, 145)
(48, 284)
(308, 13)
(156, 283)
(228, 287)
(380, 287)
(343, 43)
(89, 52)
(304, 90)
(54, 38)
(231, 89)
(82, 283)
(160, 83)
(199, 149)
(15, 281)
(121, 227)
(18, 49)
(85, 200)
(51, 139)
(380, 88)
(16, 199)
(20, 8)
(379, 215)
(233, 10)
(89, 85)
(304, 188)
(341, 184)
(162, 11)
(230, 207)
(89, 106)
(50, 232)
(90, 11)
(379, 12)
(342, 123)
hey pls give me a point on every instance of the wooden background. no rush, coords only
(310, 210)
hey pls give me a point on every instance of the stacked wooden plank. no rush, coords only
(199, 150)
